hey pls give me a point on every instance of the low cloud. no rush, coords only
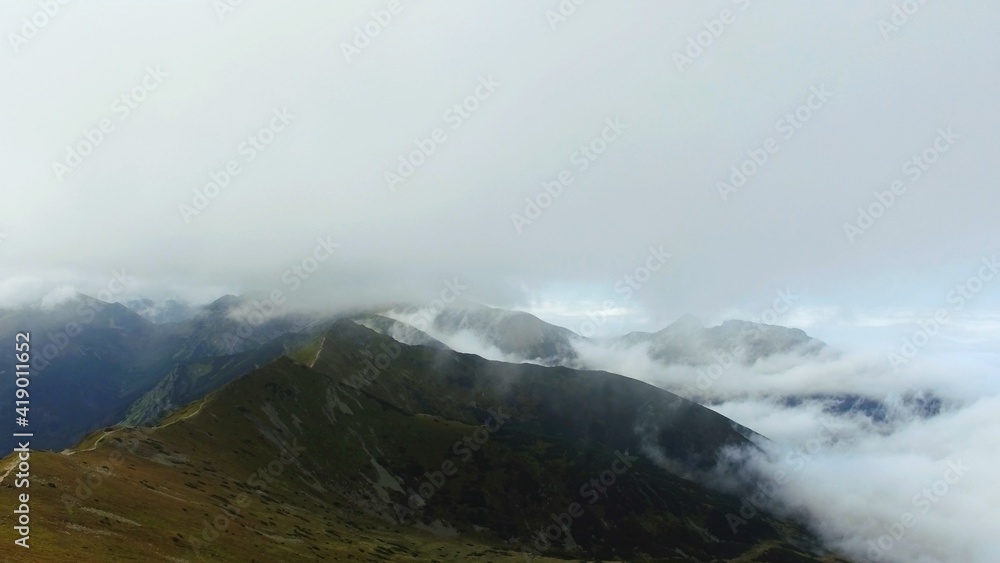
(870, 482)
(882, 464)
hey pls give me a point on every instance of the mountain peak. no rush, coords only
(225, 302)
(686, 323)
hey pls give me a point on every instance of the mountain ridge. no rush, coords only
(375, 453)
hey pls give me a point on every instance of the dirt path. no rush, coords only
(318, 352)
(7, 470)
(68, 451)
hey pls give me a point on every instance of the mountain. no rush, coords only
(92, 360)
(526, 337)
(687, 341)
(235, 324)
(361, 448)
(514, 333)
(399, 331)
(192, 379)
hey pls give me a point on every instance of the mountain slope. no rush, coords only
(192, 379)
(92, 360)
(399, 331)
(387, 452)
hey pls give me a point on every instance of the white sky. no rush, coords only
(654, 186)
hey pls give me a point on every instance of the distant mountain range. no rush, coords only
(101, 363)
(686, 342)
(522, 337)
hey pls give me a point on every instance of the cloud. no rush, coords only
(58, 296)
(324, 172)
(892, 496)
(882, 464)
(855, 478)
(467, 341)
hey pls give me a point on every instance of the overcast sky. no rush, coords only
(869, 98)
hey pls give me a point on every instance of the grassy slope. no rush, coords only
(362, 450)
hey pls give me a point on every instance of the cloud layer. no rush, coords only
(268, 123)
(902, 471)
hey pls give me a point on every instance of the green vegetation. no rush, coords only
(292, 463)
